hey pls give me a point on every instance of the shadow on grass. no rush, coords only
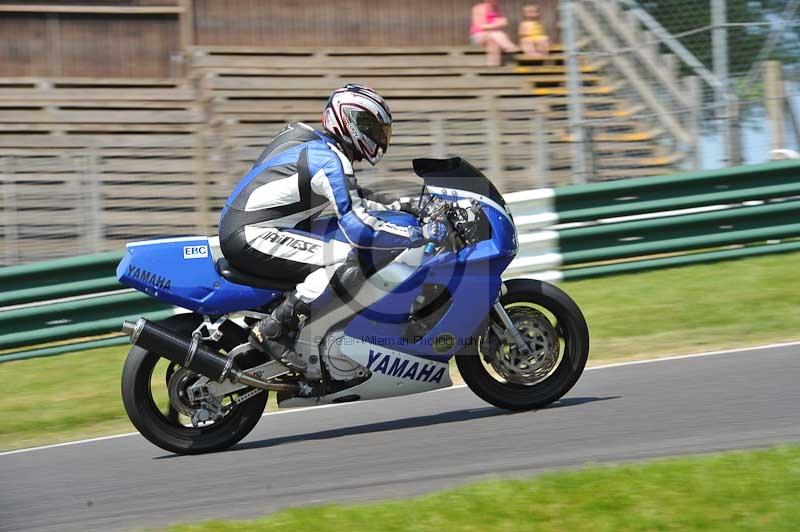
(454, 416)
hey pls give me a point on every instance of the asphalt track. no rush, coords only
(406, 446)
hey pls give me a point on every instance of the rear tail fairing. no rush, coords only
(181, 271)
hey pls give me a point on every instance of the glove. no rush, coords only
(434, 232)
(408, 205)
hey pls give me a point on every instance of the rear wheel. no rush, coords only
(555, 331)
(155, 398)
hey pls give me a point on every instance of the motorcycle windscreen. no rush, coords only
(457, 173)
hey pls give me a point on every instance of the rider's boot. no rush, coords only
(271, 334)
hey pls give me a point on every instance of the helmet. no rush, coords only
(360, 120)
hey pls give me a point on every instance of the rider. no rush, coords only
(264, 228)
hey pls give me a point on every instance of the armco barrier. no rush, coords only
(59, 278)
(67, 299)
(630, 225)
(575, 232)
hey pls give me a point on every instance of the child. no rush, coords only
(532, 37)
(487, 30)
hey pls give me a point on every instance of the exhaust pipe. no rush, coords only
(191, 353)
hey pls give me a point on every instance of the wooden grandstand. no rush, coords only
(444, 101)
(88, 163)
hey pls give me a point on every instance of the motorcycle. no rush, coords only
(192, 383)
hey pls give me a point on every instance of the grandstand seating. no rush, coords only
(442, 99)
(87, 164)
(82, 160)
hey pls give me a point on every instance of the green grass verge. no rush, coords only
(729, 304)
(752, 491)
(695, 308)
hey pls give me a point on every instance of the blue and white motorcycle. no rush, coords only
(192, 383)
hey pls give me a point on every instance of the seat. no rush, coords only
(235, 276)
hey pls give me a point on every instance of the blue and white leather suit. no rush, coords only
(264, 225)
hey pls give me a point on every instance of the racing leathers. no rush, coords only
(265, 225)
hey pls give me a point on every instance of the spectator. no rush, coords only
(487, 30)
(532, 37)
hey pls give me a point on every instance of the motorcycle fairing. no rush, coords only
(473, 278)
(392, 373)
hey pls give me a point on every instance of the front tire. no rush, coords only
(165, 429)
(567, 321)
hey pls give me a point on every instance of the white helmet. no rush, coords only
(360, 120)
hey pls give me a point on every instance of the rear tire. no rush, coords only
(166, 431)
(574, 335)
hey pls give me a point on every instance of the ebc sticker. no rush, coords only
(195, 252)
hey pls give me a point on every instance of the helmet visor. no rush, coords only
(372, 128)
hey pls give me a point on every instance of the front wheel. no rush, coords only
(155, 398)
(555, 330)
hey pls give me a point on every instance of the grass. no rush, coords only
(691, 309)
(695, 308)
(62, 398)
(740, 491)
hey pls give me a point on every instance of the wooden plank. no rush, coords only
(97, 117)
(290, 107)
(90, 129)
(328, 63)
(379, 83)
(91, 9)
(481, 70)
(86, 105)
(48, 142)
(89, 94)
(346, 50)
(98, 81)
(171, 222)
(394, 83)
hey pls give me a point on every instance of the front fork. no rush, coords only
(511, 329)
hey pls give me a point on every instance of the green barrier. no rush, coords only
(670, 186)
(76, 330)
(615, 198)
(682, 244)
(716, 222)
(43, 293)
(71, 319)
(633, 204)
(59, 278)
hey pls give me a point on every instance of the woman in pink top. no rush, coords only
(487, 29)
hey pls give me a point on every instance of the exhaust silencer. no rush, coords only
(191, 353)
(188, 352)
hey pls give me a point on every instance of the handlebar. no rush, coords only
(461, 221)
